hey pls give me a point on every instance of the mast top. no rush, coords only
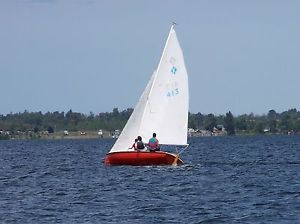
(173, 24)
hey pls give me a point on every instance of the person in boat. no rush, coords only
(153, 143)
(140, 144)
(134, 145)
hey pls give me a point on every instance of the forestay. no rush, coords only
(163, 106)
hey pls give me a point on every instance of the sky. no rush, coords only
(95, 55)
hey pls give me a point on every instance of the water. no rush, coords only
(224, 180)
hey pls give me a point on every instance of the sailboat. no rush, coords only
(161, 109)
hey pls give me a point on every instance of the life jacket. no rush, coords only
(140, 145)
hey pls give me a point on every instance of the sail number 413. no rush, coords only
(173, 92)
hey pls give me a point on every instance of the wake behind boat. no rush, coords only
(162, 108)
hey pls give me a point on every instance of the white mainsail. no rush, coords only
(163, 106)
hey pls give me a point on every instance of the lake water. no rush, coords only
(224, 180)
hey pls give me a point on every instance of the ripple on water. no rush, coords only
(223, 180)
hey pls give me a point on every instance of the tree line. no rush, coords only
(272, 122)
(58, 121)
(287, 122)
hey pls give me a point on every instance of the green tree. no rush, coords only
(259, 127)
(210, 122)
(229, 123)
(241, 123)
(272, 121)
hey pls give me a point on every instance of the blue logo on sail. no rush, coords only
(173, 70)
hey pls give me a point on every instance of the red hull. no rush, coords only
(141, 159)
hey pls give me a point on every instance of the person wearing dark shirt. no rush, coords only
(140, 145)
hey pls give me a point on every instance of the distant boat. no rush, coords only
(162, 108)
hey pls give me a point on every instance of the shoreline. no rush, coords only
(76, 136)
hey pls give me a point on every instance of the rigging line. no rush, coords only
(183, 149)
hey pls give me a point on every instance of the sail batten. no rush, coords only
(163, 106)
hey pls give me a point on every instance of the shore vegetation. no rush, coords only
(37, 124)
